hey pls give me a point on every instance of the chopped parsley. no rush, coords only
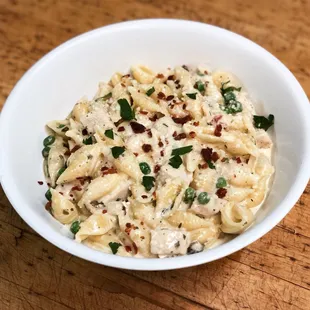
(175, 161)
(200, 86)
(48, 140)
(192, 95)
(109, 133)
(114, 247)
(263, 122)
(145, 168)
(231, 105)
(105, 97)
(182, 150)
(148, 182)
(150, 91)
(88, 140)
(61, 126)
(126, 111)
(210, 164)
(117, 151)
(61, 171)
(48, 195)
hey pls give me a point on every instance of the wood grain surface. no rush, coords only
(272, 273)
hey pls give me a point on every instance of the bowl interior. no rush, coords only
(51, 88)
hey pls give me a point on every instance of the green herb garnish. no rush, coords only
(88, 140)
(105, 97)
(48, 195)
(203, 198)
(228, 89)
(221, 182)
(48, 140)
(192, 96)
(61, 171)
(233, 107)
(175, 161)
(117, 151)
(150, 91)
(200, 86)
(182, 150)
(210, 164)
(109, 133)
(46, 151)
(126, 112)
(61, 126)
(114, 247)
(145, 168)
(263, 122)
(75, 227)
(148, 182)
(189, 195)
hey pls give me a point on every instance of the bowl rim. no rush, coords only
(243, 240)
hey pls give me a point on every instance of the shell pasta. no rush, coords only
(159, 164)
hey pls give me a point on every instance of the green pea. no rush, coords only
(189, 195)
(75, 227)
(145, 168)
(61, 170)
(48, 140)
(46, 151)
(221, 182)
(48, 195)
(203, 198)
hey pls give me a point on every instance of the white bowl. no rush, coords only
(52, 86)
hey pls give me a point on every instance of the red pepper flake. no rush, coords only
(109, 171)
(218, 129)
(162, 153)
(76, 147)
(146, 148)
(40, 182)
(215, 156)
(238, 160)
(170, 97)
(136, 154)
(207, 153)
(170, 77)
(160, 144)
(203, 166)
(153, 118)
(156, 168)
(182, 120)
(135, 247)
(104, 211)
(128, 225)
(196, 124)
(161, 95)
(84, 132)
(67, 153)
(160, 76)
(216, 118)
(120, 129)
(149, 133)
(180, 136)
(192, 134)
(76, 188)
(144, 112)
(144, 196)
(137, 128)
(221, 192)
(174, 134)
(127, 248)
(48, 206)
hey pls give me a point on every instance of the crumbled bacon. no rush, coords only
(128, 225)
(104, 211)
(127, 248)
(218, 129)
(161, 95)
(120, 129)
(171, 77)
(162, 153)
(216, 118)
(221, 192)
(75, 149)
(174, 134)
(170, 97)
(137, 128)
(144, 196)
(215, 156)
(146, 148)
(196, 124)
(182, 120)
(207, 153)
(180, 136)
(156, 168)
(40, 182)
(160, 144)
(160, 76)
(109, 171)
(192, 134)
(144, 112)
(76, 188)
(238, 160)
(203, 166)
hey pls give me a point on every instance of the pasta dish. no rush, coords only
(159, 164)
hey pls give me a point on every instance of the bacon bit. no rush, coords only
(128, 225)
(182, 120)
(120, 129)
(40, 182)
(174, 134)
(216, 118)
(76, 188)
(84, 132)
(48, 206)
(192, 134)
(136, 154)
(218, 129)
(238, 160)
(170, 97)
(156, 168)
(203, 166)
(137, 128)
(67, 153)
(170, 77)
(76, 147)
(104, 211)
(221, 192)
(206, 153)
(196, 124)
(153, 118)
(160, 76)
(146, 148)
(161, 95)
(144, 112)
(109, 171)
(215, 156)
(160, 144)
(144, 196)
(104, 168)
(135, 247)
(127, 248)
(162, 153)
(180, 136)
(149, 133)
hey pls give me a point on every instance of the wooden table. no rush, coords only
(272, 273)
